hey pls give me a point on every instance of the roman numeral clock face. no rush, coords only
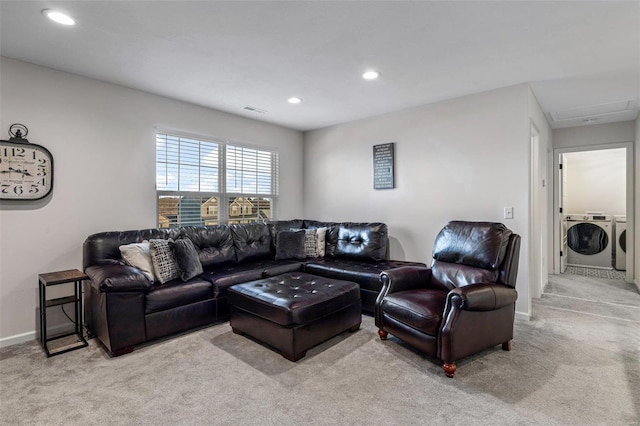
(26, 171)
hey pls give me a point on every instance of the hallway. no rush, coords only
(587, 295)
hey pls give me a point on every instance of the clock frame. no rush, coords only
(26, 169)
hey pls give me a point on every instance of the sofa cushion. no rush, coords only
(187, 260)
(177, 293)
(164, 262)
(479, 244)
(367, 274)
(214, 244)
(290, 245)
(362, 241)
(252, 241)
(421, 309)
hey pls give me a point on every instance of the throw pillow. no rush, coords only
(321, 240)
(164, 262)
(138, 256)
(187, 260)
(290, 245)
(310, 243)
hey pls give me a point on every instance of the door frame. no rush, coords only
(538, 225)
(629, 146)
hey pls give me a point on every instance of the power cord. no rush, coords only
(88, 333)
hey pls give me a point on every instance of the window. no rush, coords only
(208, 183)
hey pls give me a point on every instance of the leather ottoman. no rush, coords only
(294, 312)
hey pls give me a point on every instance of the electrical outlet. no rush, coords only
(508, 212)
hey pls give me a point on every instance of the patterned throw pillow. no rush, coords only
(164, 262)
(138, 256)
(321, 240)
(310, 243)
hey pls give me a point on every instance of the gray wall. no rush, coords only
(596, 134)
(103, 142)
(637, 206)
(465, 159)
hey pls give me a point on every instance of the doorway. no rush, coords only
(593, 193)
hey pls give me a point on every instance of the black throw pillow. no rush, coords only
(187, 260)
(290, 245)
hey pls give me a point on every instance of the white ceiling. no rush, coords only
(582, 59)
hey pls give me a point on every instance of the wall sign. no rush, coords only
(383, 166)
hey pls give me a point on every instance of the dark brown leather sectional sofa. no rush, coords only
(124, 308)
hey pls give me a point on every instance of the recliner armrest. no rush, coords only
(482, 297)
(400, 279)
(404, 278)
(111, 278)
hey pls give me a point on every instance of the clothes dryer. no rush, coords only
(620, 231)
(589, 240)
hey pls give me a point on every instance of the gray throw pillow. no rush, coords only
(187, 260)
(290, 245)
(164, 262)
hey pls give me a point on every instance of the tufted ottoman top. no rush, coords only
(293, 298)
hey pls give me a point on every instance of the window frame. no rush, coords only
(224, 197)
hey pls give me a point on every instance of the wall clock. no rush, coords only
(26, 169)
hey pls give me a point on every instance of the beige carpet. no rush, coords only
(575, 363)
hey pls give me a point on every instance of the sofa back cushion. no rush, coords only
(366, 241)
(447, 276)
(214, 244)
(469, 252)
(104, 247)
(282, 225)
(479, 244)
(252, 241)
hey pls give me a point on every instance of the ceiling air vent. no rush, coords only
(589, 112)
(254, 109)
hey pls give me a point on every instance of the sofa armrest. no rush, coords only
(111, 278)
(481, 297)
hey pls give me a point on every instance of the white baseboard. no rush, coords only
(31, 335)
(522, 316)
(17, 339)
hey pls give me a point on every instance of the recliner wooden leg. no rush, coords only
(449, 369)
(506, 346)
(383, 334)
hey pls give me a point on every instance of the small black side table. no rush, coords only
(56, 278)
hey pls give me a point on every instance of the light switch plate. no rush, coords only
(508, 212)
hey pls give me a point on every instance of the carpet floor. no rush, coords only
(575, 363)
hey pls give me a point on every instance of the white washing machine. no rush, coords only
(620, 231)
(589, 240)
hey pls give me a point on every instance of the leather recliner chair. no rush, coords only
(464, 303)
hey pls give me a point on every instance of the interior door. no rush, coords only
(562, 194)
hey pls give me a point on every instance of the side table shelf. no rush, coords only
(55, 278)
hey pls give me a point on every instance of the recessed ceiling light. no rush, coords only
(59, 17)
(294, 100)
(371, 75)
